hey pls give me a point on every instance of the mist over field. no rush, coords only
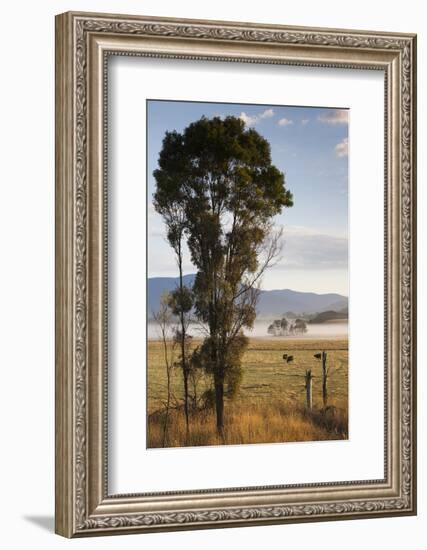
(272, 304)
(319, 331)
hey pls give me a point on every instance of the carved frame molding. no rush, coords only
(83, 42)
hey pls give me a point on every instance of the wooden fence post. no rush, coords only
(308, 387)
(324, 379)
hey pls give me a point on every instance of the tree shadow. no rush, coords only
(44, 522)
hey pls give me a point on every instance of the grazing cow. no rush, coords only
(289, 359)
(285, 356)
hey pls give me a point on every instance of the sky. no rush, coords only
(310, 146)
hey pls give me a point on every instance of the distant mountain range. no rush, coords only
(271, 303)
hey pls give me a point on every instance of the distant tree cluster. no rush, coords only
(285, 327)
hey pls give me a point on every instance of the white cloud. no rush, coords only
(285, 122)
(268, 113)
(255, 119)
(310, 260)
(341, 149)
(334, 116)
(308, 249)
(248, 120)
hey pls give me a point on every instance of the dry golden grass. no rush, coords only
(270, 406)
(273, 423)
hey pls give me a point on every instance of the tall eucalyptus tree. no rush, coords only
(218, 180)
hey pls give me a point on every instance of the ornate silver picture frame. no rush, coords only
(84, 42)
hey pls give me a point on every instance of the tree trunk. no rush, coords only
(183, 351)
(187, 419)
(168, 379)
(219, 405)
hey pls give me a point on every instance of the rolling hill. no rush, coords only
(330, 315)
(272, 303)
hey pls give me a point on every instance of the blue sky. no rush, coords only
(308, 144)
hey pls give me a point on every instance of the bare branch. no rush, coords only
(272, 248)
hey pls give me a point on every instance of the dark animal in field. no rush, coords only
(289, 359)
(285, 356)
(317, 355)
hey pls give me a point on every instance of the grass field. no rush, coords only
(270, 405)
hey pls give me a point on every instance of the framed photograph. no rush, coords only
(235, 274)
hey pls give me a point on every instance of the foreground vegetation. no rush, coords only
(261, 423)
(270, 404)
